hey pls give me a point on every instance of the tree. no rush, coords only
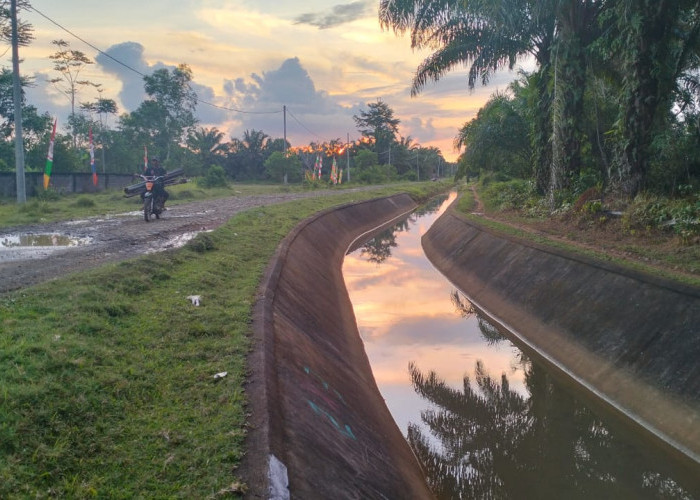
(486, 37)
(248, 155)
(25, 31)
(167, 115)
(207, 146)
(34, 125)
(378, 124)
(283, 168)
(69, 63)
(657, 41)
(577, 23)
(496, 140)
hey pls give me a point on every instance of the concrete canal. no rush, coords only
(485, 419)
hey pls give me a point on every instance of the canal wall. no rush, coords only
(319, 426)
(632, 339)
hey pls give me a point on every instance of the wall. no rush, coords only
(320, 423)
(67, 183)
(632, 339)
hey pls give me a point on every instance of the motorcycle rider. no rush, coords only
(155, 169)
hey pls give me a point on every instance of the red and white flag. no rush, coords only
(92, 160)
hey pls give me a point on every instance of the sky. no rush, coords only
(324, 61)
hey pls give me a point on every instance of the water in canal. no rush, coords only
(484, 420)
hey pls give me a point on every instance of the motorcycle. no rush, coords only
(153, 199)
(151, 190)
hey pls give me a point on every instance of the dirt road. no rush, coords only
(120, 237)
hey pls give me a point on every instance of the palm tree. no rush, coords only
(248, 154)
(207, 145)
(485, 36)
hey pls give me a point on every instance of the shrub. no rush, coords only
(216, 177)
(516, 193)
(648, 212)
(84, 202)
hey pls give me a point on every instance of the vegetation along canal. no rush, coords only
(485, 420)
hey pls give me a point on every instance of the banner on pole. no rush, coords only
(49, 157)
(92, 160)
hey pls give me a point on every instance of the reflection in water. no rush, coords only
(490, 333)
(41, 240)
(523, 435)
(378, 249)
(496, 443)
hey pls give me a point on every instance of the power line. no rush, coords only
(304, 126)
(139, 72)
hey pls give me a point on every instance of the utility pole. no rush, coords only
(284, 114)
(347, 155)
(17, 96)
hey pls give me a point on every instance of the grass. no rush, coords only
(108, 385)
(642, 253)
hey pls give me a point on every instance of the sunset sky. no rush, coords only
(324, 61)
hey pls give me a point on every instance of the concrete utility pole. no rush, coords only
(17, 96)
(284, 113)
(347, 155)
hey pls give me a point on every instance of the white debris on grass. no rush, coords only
(194, 299)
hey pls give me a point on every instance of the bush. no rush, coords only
(648, 212)
(84, 202)
(516, 193)
(216, 177)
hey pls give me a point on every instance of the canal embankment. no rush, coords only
(631, 339)
(319, 427)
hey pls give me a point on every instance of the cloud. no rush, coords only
(125, 61)
(310, 111)
(421, 130)
(339, 14)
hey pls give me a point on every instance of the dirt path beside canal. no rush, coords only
(124, 236)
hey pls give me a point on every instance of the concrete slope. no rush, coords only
(320, 428)
(631, 339)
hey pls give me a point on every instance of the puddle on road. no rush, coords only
(176, 241)
(23, 246)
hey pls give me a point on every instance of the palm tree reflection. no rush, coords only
(466, 309)
(378, 249)
(497, 443)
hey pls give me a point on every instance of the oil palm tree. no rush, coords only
(486, 36)
(207, 145)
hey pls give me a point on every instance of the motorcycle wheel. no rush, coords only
(147, 208)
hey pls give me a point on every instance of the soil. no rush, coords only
(124, 236)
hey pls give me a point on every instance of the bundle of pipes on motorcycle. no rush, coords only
(150, 188)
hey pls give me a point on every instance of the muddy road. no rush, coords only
(119, 237)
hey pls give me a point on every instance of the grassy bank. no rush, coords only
(606, 239)
(108, 376)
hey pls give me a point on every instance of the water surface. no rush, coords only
(486, 421)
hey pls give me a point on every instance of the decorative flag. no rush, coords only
(145, 158)
(334, 172)
(340, 176)
(92, 160)
(319, 165)
(49, 157)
